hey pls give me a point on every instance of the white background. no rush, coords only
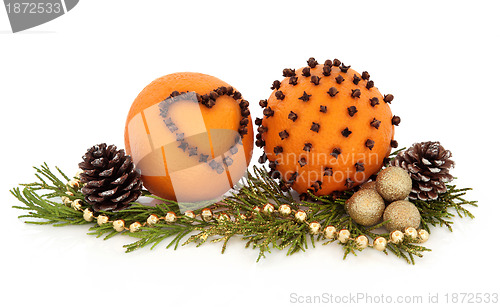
(68, 84)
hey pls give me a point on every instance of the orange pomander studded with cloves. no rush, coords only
(326, 128)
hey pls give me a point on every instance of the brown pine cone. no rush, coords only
(110, 178)
(428, 164)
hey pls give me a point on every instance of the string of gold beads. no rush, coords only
(329, 232)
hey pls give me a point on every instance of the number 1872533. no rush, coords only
(33, 8)
(467, 297)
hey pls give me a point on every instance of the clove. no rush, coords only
(312, 62)
(278, 149)
(356, 79)
(183, 146)
(356, 93)
(203, 158)
(262, 129)
(276, 85)
(336, 152)
(287, 72)
(327, 70)
(306, 72)
(346, 132)
(360, 167)
(328, 171)
(283, 134)
(263, 158)
(396, 120)
(315, 127)
(370, 143)
(292, 116)
(332, 91)
(316, 186)
(237, 95)
(268, 112)
(179, 137)
(279, 95)
(374, 101)
(352, 110)
(388, 98)
(193, 151)
(349, 183)
(315, 80)
(344, 68)
(375, 123)
(305, 97)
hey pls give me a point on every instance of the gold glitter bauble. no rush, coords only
(402, 214)
(372, 185)
(365, 207)
(393, 183)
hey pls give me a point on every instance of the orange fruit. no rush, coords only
(326, 128)
(190, 135)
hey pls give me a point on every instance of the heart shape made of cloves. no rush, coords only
(193, 145)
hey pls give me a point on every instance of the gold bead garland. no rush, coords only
(152, 220)
(314, 228)
(170, 217)
(397, 236)
(190, 214)
(329, 232)
(119, 225)
(362, 242)
(206, 214)
(87, 215)
(135, 227)
(102, 219)
(285, 210)
(268, 208)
